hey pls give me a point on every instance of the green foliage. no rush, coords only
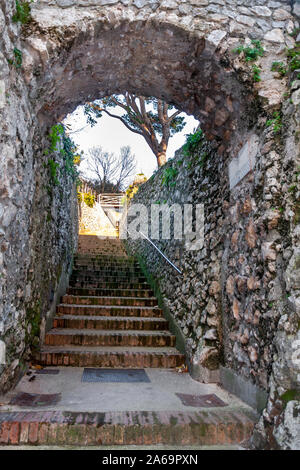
(22, 14)
(60, 142)
(252, 52)
(79, 197)
(290, 395)
(169, 176)
(33, 318)
(256, 73)
(203, 158)
(294, 57)
(279, 67)
(295, 32)
(55, 135)
(89, 199)
(292, 188)
(192, 142)
(18, 58)
(53, 166)
(276, 122)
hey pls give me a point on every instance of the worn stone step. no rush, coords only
(107, 273)
(110, 323)
(124, 301)
(106, 265)
(61, 428)
(108, 356)
(111, 310)
(109, 285)
(107, 270)
(104, 258)
(79, 291)
(87, 337)
(103, 277)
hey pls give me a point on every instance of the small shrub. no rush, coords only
(18, 58)
(79, 197)
(256, 73)
(89, 199)
(169, 176)
(294, 57)
(53, 166)
(192, 142)
(275, 122)
(131, 191)
(22, 14)
(279, 67)
(252, 52)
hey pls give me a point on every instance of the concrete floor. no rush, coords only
(157, 395)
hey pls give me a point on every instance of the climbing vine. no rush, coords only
(169, 176)
(275, 122)
(192, 142)
(18, 58)
(22, 14)
(60, 142)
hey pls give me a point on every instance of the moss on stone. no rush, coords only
(290, 395)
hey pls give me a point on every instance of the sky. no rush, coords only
(110, 134)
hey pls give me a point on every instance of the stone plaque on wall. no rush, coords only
(241, 165)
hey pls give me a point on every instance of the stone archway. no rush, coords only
(72, 53)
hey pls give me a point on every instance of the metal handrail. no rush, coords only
(161, 253)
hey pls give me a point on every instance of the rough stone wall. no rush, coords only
(38, 220)
(237, 300)
(73, 52)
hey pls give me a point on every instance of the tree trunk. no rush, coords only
(161, 158)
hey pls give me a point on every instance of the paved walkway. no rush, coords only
(157, 395)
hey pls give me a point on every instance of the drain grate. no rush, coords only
(114, 375)
(35, 399)
(201, 401)
(47, 371)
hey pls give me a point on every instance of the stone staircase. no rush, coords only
(109, 316)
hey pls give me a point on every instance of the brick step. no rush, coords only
(87, 337)
(110, 292)
(110, 323)
(110, 270)
(106, 266)
(112, 310)
(109, 285)
(107, 277)
(102, 251)
(59, 428)
(104, 258)
(124, 301)
(108, 356)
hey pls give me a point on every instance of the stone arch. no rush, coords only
(146, 57)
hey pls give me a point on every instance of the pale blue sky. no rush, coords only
(111, 135)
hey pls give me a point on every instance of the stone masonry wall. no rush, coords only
(74, 51)
(237, 301)
(38, 218)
